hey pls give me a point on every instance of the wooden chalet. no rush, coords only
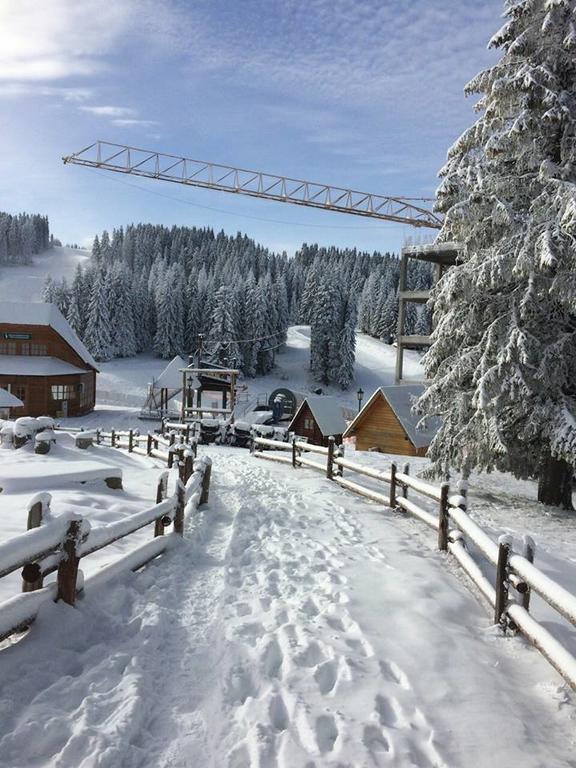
(317, 419)
(43, 362)
(386, 423)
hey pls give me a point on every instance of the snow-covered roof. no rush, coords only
(41, 313)
(171, 376)
(8, 400)
(401, 398)
(36, 365)
(327, 413)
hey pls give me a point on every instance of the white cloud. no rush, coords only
(109, 111)
(124, 123)
(55, 39)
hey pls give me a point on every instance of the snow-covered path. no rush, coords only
(304, 627)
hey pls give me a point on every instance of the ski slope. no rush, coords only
(25, 283)
(306, 627)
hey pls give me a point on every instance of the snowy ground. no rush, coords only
(308, 629)
(94, 500)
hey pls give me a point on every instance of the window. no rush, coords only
(8, 348)
(18, 390)
(86, 392)
(308, 424)
(62, 392)
(34, 349)
(24, 349)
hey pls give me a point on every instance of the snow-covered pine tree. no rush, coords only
(347, 343)
(97, 337)
(222, 330)
(123, 333)
(503, 359)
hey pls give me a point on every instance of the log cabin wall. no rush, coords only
(380, 428)
(40, 335)
(305, 425)
(40, 394)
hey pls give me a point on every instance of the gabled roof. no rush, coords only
(171, 376)
(8, 400)
(37, 365)
(401, 398)
(327, 413)
(41, 313)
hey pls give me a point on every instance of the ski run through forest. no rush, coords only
(296, 624)
(153, 288)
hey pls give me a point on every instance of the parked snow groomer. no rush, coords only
(210, 431)
(270, 432)
(239, 434)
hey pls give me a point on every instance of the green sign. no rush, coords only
(18, 336)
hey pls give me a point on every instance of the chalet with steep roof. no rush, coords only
(386, 423)
(43, 363)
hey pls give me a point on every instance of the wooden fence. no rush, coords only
(516, 575)
(59, 545)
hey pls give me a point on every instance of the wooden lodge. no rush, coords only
(317, 419)
(386, 423)
(43, 362)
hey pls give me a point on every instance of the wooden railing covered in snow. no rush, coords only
(59, 545)
(516, 575)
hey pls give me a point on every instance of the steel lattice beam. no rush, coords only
(197, 173)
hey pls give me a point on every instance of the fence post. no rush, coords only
(180, 503)
(330, 460)
(31, 573)
(529, 551)
(406, 471)
(130, 440)
(504, 547)
(393, 485)
(294, 463)
(170, 457)
(112, 438)
(206, 484)
(148, 444)
(68, 568)
(172, 437)
(187, 433)
(463, 491)
(98, 437)
(443, 518)
(188, 465)
(160, 496)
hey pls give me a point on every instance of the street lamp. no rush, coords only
(360, 395)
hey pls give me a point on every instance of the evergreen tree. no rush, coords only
(97, 337)
(347, 345)
(503, 361)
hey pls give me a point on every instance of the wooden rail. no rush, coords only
(516, 575)
(59, 545)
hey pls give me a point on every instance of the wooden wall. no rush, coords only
(380, 428)
(314, 435)
(43, 334)
(38, 400)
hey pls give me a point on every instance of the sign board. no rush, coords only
(18, 336)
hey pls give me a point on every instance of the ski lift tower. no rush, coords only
(443, 256)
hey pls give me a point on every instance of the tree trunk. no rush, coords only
(555, 483)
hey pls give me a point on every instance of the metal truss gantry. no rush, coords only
(132, 161)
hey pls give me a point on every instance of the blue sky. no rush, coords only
(363, 93)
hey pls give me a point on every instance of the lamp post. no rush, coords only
(360, 395)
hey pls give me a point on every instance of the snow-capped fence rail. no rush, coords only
(60, 544)
(166, 446)
(516, 575)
